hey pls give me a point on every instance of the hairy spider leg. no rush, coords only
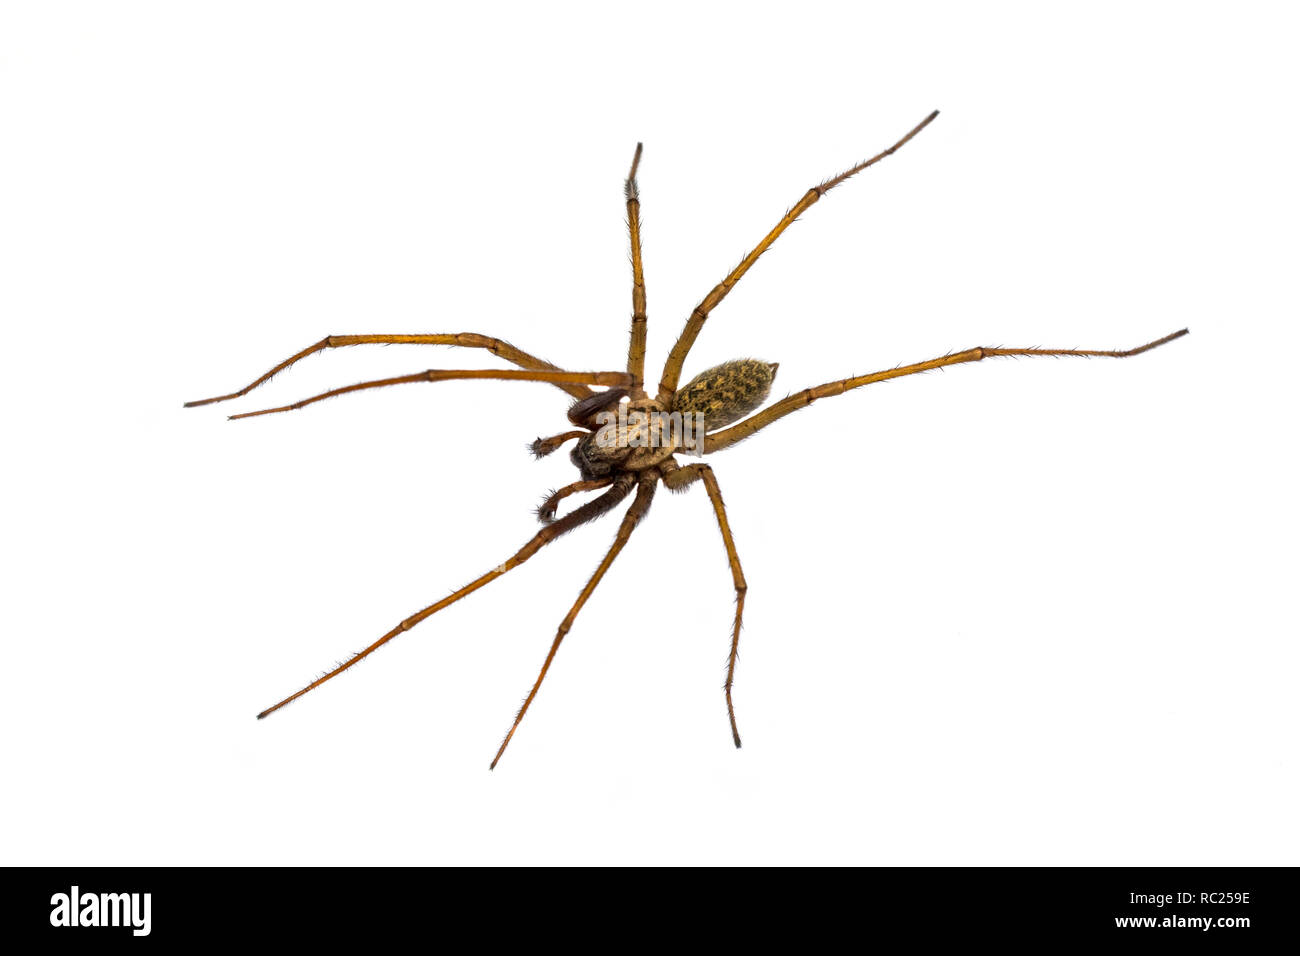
(646, 485)
(742, 430)
(677, 357)
(588, 512)
(444, 375)
(546, 510)
(636, 344)
(464, 339)
(678, 479)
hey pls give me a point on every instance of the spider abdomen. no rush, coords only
(726, 393)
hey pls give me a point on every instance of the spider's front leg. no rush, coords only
(470, 340)
(678, 479)
(636, 342)
(682, 347)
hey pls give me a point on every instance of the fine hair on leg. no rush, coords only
(446, 375)
(646, 484)
(742, 430)
(637, 339)
(682, 347)
(470, 340)
(588, 512)
(679, 479)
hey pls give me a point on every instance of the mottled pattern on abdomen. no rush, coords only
(727, 392)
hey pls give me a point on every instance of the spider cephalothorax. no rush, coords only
(631, 435)
(627, 441)
(640, 433)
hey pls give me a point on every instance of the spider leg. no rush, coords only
(645, 491)
(678, 479)
(464, 339)
(588, 512)
(443, 375)
(636, 344)
(742, 430)
(677, 357)
(546, 510)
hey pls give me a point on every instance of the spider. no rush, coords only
(626, 440)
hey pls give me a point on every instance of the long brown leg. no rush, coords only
(464, 339)
(444, 375)
(678, 479)
(677, 357)
(636, 346)
(640, 505)
(742, 430)
(588, 512)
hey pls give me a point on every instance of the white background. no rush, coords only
(1023, 611)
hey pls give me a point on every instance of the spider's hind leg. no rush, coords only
(678, 479)
(589, 511)
(716, 441)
